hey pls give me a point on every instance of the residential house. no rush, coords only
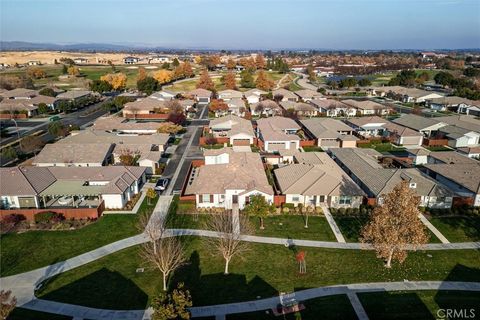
(316, 180)
(461, 130)
(164, 95)
(51, 188)
(267, 108)
(25, 100)
(427, 126)
(75, 95)
(131, 60)
(159, 59)
(471, 152)
(254, 95)
(300, 108)
(236, 106)
(74, 155)
(334, 108)
(329, 133)
(239, 131)
(229, 178)
(227, 95)
(473, 110)
(403, 136)
(367, 107)
(451, 103)
(201, 96)
(368, 126)
(363, 167)
(462, 178)
(147, 108)
(406, 95)
(18, 93)
(449, 157)
(80, 60)
(34, 63)
(278, 133)
(284, 95)
(307, 95)
(122, 125)
(419, 156)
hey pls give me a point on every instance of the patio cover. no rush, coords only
(71, 188)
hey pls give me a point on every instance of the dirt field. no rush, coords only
(48, 57)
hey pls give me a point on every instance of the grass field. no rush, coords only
(458, 229)
(34, 249)
(416, 305)
(312, 149)
(264, 271)
(381, 147)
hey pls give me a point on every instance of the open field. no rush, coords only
(26, 251)
(48, 57)
(264, 271)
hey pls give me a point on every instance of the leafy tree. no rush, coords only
(311, 73)
(262, 82)
(9, 153)
(118, 81)
(100, 86)
(128, 157)
(231, 64)
(247, 80)
(218, 105)
(364, 82)
(43, 108)
(163, 76)
(169, 127)
(64, 69)
(229, 81)
(187, 69)
(260, 61)
(31, 144)
(404, 78)
(64, 106)
(395, 224)
(205, 82)
(472, 72)
(36, 73)
(175, 62)
(56, 128)
(444, 78)
(423, 77)
(148, 85)
(176, 117)
(348, 82)
(172, 305)
(47, 92)
(259, 207)
(142, 74)
(73, 71)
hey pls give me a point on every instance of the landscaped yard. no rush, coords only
(381, 147)
(458, 229)
(416, 304)
(439, 148)
(292, 226)
(312, 149)
(352, 226)
(264, 271)
(34, 249)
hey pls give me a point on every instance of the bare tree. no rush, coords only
(164, 252)
(7, 303)
(229, 243)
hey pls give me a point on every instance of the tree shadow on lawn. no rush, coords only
(470, 226)
(219, 288)
(101, 289)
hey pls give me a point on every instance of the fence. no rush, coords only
(435, 142)
(14, 116)
(155, 116)
(68, 213)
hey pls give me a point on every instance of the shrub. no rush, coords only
(333, 210)
(13, 218)
(288, 205)
(48, 216)
(341, 211)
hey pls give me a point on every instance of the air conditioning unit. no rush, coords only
(413, 185)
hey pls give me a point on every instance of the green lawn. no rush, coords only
(264, 271)
(351, 228)
(381, 147)
(25, 314)
(416, 304)
(34, 249)
(458, 229)
(312, 149)
(439, 148)
(331, 307)
(292, 226)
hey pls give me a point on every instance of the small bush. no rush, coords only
(13, 218)
(48, 216)
(288, 205)
(341, 211)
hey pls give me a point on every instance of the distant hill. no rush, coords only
(86, 47)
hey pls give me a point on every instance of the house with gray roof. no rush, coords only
(239, 131)
(300, 108)
(278, 133)
(329, 132)
(69, 187)
(308, 95)
(284, 95)
(427, 126)
(316, 180)
(363, 167)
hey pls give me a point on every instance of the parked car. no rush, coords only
(162, 184)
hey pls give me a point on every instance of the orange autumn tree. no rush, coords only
(229, 81)
(231, 64)
(395, 225)
(205, 82)
(116, 80)
(262, 82)
(260, 61)
(142, 74)
(163, 76)
(187, 69)
(218, 106)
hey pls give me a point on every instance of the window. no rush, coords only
(222, 198)
(295, 199)
(205, 198)
(345, 200)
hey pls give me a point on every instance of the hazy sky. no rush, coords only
(263, 24)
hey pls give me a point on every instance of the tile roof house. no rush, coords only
(25, 100)
(461, 131)
(316, 180)
(229, 177)
(267, 108)
(329, 132)
(254, 95)
(368, 126)
(201, 96)
(363, 167)
(309, 95)
(471, 152)
(300, 108)
(451, 103)
(334, 108)
(462, 178)
(229, 94)
(76, 187)
(145, 107)
(236, 106)
(278, 133)
(427, 126)
(122, 125)
(404, 94)
(74, 155)
(286, 95)
(449, 157)
(74, 95)
(238, 130)
(367, 107)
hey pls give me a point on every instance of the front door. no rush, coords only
(234, 198)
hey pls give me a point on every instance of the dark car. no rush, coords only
(162, 184)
